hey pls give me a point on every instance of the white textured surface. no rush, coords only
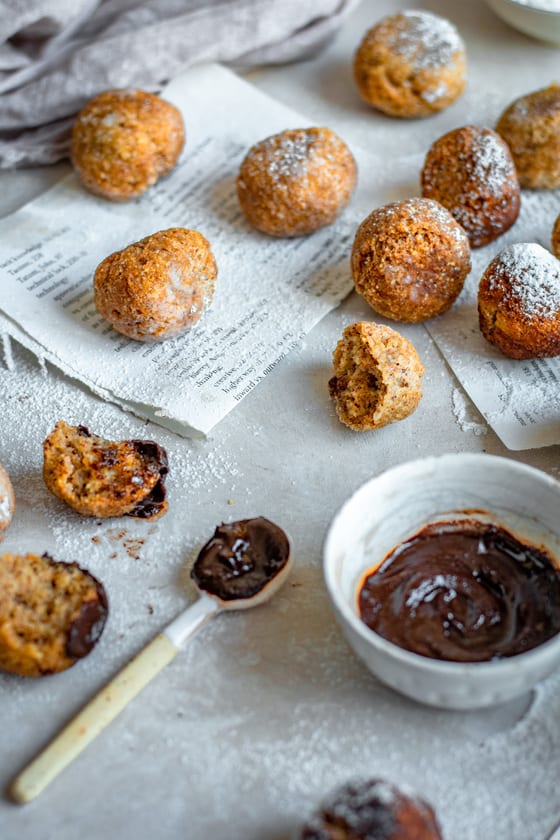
(265, 712)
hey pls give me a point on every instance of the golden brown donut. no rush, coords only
(411, 64)
(410, 259)
(98, 477)
(373, 809)
(519, 302)
(471, 172)
(124, 140)
(531, 128)
(7, 501)
(377, 376)
(51, 614)
(159, 287)
(297, 181)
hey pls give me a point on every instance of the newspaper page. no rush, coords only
(269, 293)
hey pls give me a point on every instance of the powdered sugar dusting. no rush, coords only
(527, 276)
(471, 171)
(492, 164)
(283, 155)
(287, 155)
(6, 509)
(427, 40)
(463, 412)
(446, 221)
(433, 94)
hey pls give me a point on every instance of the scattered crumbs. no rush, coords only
(150, 609)
(492, 165)
(230, 502)
(96, 539)
(133, 547)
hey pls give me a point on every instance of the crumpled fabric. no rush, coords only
(56, 54)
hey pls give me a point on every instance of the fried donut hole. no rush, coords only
(471, 172)
(103, 478)
(377, 376)
(411, 64)
(159, 287)
(410, 259)
(124, 140)
(296, 182)
(519, 302)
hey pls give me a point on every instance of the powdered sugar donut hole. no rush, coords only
(471, 172)
(410, 259)
(158, 287)
(297, 181)
(519, 302)
(531, 128)
(411, 64)
(123, 141)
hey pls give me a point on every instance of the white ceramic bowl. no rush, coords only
(540, 23)
(395, 505)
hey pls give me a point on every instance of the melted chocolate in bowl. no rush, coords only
(463, 591)
(241, 558)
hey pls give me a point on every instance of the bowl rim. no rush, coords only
(516, 4)
(442, 667)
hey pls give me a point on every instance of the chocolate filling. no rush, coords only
(86, 629)
(463, 591)
(241, 558)
(155, 457)
(155, 501)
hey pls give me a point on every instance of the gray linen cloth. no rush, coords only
(57, 54)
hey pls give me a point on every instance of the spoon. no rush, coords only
(241, 566)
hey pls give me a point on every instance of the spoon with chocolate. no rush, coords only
(242, 565)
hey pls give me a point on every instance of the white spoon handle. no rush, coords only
(109, 702)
